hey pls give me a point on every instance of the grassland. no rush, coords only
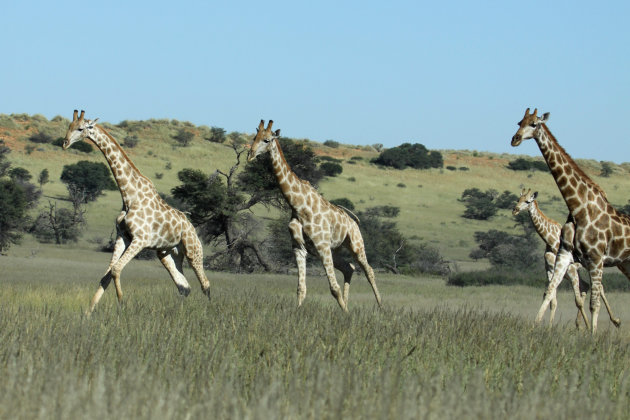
(432, 352)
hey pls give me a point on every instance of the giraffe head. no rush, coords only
(79, 129)
(263, 139)
(526, 199)
(528, 126)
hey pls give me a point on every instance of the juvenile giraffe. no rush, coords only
(146, 221)
(596, 233)
(317, 226)
(549, 230)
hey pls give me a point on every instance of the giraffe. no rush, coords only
(317, 226)
(596, 233)
(549, 231)
(146, 221)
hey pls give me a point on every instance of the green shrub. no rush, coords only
(493, 276)
(521, 164)
(331, 143)
(331, 168)
(415, 156)
(82, 146)
(41, 138)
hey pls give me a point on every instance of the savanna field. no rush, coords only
(432, 351)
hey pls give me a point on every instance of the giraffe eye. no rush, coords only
(79, 129)
(533, 125)
(267, 140)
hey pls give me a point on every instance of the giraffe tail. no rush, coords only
(354, 216)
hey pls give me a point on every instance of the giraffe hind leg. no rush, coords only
(357, 248)
(346, 269)
(194, 255)
(172, 261)
(134, 248)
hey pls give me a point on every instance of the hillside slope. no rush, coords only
(428, 199)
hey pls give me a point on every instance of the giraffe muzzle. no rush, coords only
(516, 140)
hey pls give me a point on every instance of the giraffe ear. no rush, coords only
(535, 195)
(90, 123)
(545, 117)
(277, 133)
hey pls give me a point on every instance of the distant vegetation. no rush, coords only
(409, 155)
(521, 164)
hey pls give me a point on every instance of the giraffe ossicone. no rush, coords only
(145, 221)
(317, 226)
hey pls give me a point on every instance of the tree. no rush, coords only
(43, 178)
(607, 169)
(87, 180)
(259, 181)
(217, 135)
(416, 156)
(506, 200)
(184, 137)
(17, 196)
(20, 174)
(216, 205)
(331, 168)
(60, 225)
(479, 205)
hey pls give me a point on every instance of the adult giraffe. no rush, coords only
(146, 221)
(596, 233)
(317, 226)
(549, 231)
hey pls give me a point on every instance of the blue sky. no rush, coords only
(449, 74)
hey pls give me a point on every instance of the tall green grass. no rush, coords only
(250, 353)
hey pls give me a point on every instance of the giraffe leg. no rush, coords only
(299, 250)
(172, 261)
(550, 260)
(346, 269)
(119, 248)
(132, 250)
(357, 248)
(194, 254)
(595, 271)
(563, 260)
(572, 273)
(326, 257)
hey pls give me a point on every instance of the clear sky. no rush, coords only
(447, 74)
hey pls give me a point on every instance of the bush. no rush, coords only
(492, 276)
(521, 164)
(217, 135)
(343, 202)
(506, 200)
(184, 137)
(331, 143)
(451, 168)
(87, 179)
(131, 141)
(41, 138)
(410, 155)
(479, 205)
(331, 168)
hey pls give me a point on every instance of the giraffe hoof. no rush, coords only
(616, 322)
(183, 291)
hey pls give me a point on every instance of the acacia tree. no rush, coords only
(218, 202)
(87, 180)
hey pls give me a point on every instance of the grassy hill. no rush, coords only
(428, 199)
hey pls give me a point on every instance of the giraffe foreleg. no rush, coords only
(299, 250)
(132, 250)
(119, 247)
(572, 273)
(550, 260)
(563, 260)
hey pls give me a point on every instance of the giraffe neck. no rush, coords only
(544, 226)
(129, 179)
(575, 186)
(285, 176)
